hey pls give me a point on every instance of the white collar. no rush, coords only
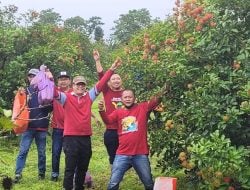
(72, 93)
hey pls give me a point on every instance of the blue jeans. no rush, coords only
(122, 163)
(57, 140)
(26, 140)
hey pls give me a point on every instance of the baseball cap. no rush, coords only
(63, 74)
(33, 72)
(78, 79)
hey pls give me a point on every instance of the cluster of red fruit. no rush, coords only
(148, 47)
(216, 178)
(64, 59)
(169, 124)
(192, 9)
(184, 161)
(160, 107)
(208, 174)
(57, 29)
(170, 41)
(236, 65)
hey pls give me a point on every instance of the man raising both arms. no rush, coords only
(77, 127)
(112, 93)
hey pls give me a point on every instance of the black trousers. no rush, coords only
(111, 142)
(78, 152)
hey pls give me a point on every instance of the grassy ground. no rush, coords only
(99, 165)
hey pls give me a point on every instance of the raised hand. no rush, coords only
(164, 90)
(116, 63)
(48, 73)
(96, 55)
(101, 105)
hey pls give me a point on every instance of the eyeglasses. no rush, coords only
(80, 84)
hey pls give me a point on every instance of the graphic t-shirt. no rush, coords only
(129, 124)
(132, 127)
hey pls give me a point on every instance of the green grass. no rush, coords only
(99, 165)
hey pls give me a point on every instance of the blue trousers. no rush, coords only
(122, 163)
(57, 143)
(26, 140)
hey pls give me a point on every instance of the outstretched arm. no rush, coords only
(157, 98)
(59, 96)
(101, 84)
(98, 65)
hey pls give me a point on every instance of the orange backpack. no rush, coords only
(20, 114)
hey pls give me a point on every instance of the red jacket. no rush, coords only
(77, 109)
(112, 101)
(58, 114)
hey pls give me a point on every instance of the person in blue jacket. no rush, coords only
(37, 129)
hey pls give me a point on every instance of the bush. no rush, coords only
(202, 54)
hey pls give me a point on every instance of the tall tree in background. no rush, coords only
(41, 41)
(7, 15)
(98, 35)
(30, 17)
(76, 23)
(92, 23)
(48, 16)
(128, 24)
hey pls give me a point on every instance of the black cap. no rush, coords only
(63, 74)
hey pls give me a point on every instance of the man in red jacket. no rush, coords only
(112, 94)
(63, 85)
(133, 147)
(77, 127)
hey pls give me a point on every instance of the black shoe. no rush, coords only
(7, 183)
(41, 176)
(55, 179)
(17, 178)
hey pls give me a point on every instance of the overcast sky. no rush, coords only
(108, 10)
